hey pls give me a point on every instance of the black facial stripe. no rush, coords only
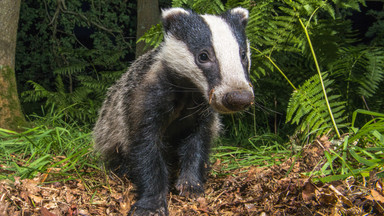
(211, 70)
(192, 30)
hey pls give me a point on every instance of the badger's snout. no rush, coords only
(237, 100)
(231, 101)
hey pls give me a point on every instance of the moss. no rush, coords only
(11, 115)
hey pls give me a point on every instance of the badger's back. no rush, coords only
(111, 129)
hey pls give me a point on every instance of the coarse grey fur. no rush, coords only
(112, 129)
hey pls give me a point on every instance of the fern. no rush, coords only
(81, 103)
(214, 6)
(200, 6)
(70, 69)
(108, 59)
(38, 92)
(374, 73)
(359, 72)
(353, 4)
(153, 37)
(306, 107)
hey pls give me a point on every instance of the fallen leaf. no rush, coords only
(202, 204)
(308, 192)
(375, 196)
(36, 199)
(45, 212)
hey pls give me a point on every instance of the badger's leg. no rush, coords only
(148, 167)
(150, 175)
(194, 158)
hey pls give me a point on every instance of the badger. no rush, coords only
(158, 120)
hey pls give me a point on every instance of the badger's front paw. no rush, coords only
(148, 208)
(139, 211)
(189, 187)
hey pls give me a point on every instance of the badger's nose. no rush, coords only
(238, 100)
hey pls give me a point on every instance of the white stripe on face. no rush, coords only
(227, 52)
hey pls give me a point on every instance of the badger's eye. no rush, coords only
(243, 55)
(203, 57)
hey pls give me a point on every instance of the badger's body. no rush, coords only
(159, 119)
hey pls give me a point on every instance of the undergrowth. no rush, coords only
(51, 146)
(360, 152)
(269, 154)
(62, 151)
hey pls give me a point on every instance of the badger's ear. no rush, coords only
(239, 13)
(172, 16)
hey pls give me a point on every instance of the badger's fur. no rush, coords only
(159, 119)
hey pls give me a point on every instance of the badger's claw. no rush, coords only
(139, 211)
(149, 206)
(191, 189)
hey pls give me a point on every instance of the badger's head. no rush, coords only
(213, 52)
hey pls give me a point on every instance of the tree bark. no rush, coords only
(148, 14)
(11, 116)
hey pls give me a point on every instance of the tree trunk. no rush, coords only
(148, 14)
(11, 116)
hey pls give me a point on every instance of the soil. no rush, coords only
(262, 191)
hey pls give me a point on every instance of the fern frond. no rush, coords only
(210, 7)
(361, 69)
(94, 84)
(307, 109)
(201, 6)
(153, 37)
(111, 76)
(60, 87)
(81, 95)
(108, 58)
(71, 69)
(180, 3)
(374, 73)
(354, 4)
(38, 93)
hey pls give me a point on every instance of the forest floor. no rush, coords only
(273, 190)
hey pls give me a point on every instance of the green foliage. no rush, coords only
(376, 31)
(201, 6)
(92, 79)
(360, 152)
(361, 69)
(306, 107)
(77, 40)
(153, 37)
(305, 36)
(359, 76)
(51, 145)
(232, 157)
